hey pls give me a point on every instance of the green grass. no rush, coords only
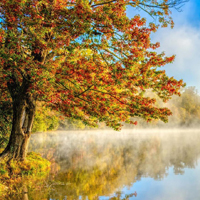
(33, 169)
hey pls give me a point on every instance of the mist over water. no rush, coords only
(155, 164)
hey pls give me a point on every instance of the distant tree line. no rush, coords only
(185, 111)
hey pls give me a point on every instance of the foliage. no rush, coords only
(85, 59)
(5, 122)
(45, 120)
(3, 189)
(185, 112)
(69, 124)
(185, 109)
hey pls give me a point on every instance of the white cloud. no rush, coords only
(184, 42)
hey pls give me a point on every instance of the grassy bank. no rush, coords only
(16, 174)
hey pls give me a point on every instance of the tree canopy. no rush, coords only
(84, 58)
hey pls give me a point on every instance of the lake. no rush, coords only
(109, 165)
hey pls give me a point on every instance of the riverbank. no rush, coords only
(16, 173)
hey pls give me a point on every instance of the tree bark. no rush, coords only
(25, 193)
(27, 126)
(23, 110)
(23, 116)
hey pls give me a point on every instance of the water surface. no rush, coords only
(142, 165)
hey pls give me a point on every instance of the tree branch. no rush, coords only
(110, 95)
(104, 3)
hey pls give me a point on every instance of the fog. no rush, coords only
(104, 163)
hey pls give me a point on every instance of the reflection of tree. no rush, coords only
(93, 165)
(117, 196)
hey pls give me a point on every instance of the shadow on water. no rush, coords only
(98, 165)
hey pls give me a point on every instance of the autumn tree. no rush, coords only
(83, 58)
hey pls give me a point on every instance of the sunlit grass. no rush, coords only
(17, 173)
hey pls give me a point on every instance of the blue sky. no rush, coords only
(183, 41)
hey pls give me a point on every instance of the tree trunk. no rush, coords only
(23, 115)
(23, 110)
(25, 193)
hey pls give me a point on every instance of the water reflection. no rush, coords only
(100, 165)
